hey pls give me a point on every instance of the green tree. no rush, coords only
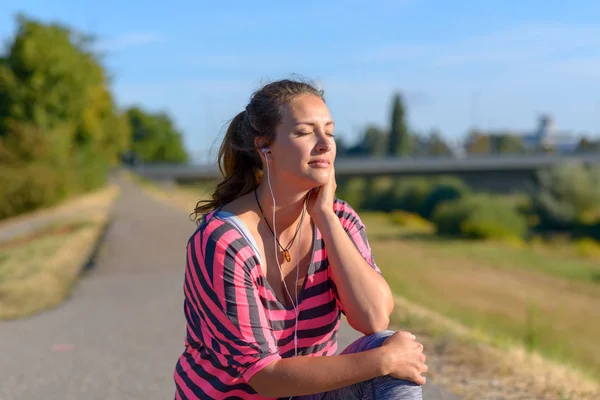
(51, 78)
(566, 195)
(374, 141)
(60, 129)
(341, 146)
(398, 140)
(509, 144)
(436, 146)
(155, 138)
(478, 143)
(587, 145)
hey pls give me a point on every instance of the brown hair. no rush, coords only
(239, 160)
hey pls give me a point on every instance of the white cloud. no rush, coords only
(128, 40)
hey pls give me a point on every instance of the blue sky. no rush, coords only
(496, 64)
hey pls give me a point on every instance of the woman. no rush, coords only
(274, 262)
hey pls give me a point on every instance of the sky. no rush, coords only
(491, 64)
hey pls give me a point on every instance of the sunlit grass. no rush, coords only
(38, 270)
(540, 299)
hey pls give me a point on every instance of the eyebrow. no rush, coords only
(313, 124)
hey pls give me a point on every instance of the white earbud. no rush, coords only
(265, 150)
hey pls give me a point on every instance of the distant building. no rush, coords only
(543, 138)
(546, 137)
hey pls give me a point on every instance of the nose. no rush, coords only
(324, 145)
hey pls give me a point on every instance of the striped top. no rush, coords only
(235, 324)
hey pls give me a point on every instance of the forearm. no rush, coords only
(364, 293)
(298, 376)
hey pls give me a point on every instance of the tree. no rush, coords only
(60, 129)
(374, 141)
(341, 146)
(398, 140)
(587, 145)
(155, 137)
(52, 79)
(436, 145)
(478, 143)
(566, 195)
(509, 144)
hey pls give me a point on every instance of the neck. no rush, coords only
(288, 205)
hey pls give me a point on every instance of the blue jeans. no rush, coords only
(380, 388)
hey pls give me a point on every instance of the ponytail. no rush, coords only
(239, 165)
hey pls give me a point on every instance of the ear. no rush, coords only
(260, 142)
(260, 145)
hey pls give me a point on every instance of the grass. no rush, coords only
(38, 270)
(541, 300)
(468, 362)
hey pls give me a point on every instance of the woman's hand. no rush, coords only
(404, 358)
(320, 200)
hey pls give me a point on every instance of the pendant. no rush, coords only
(286, 254)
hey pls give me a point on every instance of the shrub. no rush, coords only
(481, 217)
(351, 190)
(92, 169)
(565, 196)
(448, 217)
(411, 220)
(377, 194)
(417, 195)
(444, 189)
(28, 187)
(587, 247)
(494, 220)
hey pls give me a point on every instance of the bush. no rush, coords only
(92, 169)
(493, 220)
(443, 190)
(591, 231)
(351, 190)
(411, 220)
(448, 217)
(377, 194)
(411, 194)
(566, 196)
(29, 187)
(588, 248)
(480, 217)
(417, 195)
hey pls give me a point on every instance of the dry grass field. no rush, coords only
(38, 269)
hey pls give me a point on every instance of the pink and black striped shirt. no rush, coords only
(235, 324)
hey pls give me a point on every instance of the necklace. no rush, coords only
(285, 250)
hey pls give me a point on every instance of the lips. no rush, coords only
(320, 162)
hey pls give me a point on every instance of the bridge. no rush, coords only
(498, 173)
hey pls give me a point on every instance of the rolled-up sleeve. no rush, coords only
(355, 229)
(220, 289)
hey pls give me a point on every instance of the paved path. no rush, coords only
(119, 335)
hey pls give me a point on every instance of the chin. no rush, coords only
(320, 179)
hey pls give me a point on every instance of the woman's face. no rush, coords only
(304, 150)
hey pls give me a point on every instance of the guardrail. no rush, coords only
(357, 166)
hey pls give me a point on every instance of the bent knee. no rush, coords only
(368, 342)
(387, 387)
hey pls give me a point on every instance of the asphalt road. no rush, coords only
(119, 335)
